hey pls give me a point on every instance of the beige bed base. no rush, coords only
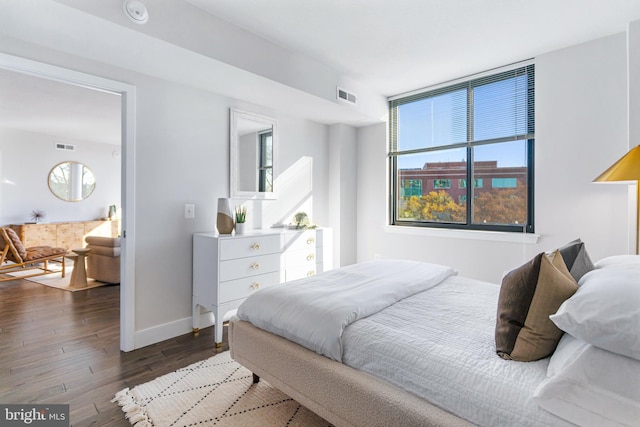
(340, 394)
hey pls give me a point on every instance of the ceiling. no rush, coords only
(389, 46)
(71, 113)
(402, 45)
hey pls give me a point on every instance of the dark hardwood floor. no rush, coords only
(64, 347)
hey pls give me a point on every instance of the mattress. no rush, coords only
(439, 345)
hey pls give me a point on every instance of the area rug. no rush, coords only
(55, 280)
(214, 392)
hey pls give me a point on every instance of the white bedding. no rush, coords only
(313, 312)
(439, 344)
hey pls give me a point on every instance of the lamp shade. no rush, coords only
(625, 169)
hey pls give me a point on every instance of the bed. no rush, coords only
(426, 356)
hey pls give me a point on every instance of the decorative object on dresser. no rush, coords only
(66, 235)
(241, 219)
(301, 220)
(112, 212)
(224, 220)
(16, 257)
(37, 215)
(227, 269)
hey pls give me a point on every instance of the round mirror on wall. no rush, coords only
(71, 181)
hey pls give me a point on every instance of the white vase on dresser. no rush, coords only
(227, 269)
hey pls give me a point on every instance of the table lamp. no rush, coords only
(627, 169)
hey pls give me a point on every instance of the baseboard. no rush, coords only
(169, 330)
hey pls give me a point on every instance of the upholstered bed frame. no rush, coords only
(336, 392)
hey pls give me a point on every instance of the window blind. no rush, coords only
(494, 108)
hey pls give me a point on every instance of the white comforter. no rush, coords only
(440, 345)
(313, 312)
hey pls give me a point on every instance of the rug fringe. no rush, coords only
(134, 413)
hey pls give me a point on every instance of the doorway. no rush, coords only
(127, 95)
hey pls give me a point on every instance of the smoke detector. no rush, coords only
(136, 11)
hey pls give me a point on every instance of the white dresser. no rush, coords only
(227, 269)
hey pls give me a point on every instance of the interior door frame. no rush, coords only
(127, 94)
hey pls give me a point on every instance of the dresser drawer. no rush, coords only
(307, 256)
(241, 247)
(250, 266)
(302, 240)
(241, 288)
(301, 272)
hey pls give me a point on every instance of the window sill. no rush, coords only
(493, 236)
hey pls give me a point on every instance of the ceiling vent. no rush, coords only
(346, 96)
(66, 147)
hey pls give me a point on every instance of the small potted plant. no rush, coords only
(301, 220)
(241, 219)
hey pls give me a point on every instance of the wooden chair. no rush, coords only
(15, 257)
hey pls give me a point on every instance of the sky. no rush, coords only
(499, 111)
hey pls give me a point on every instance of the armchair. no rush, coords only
(15, 257)
(103, 263)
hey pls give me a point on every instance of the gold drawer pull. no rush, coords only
(310, 240)
(310, 257)
(311, 273)
(255, 246)
(255, 266)
(255, 285)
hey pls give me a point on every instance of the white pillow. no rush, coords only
(590, 386)
(619, 261)
(605, 311)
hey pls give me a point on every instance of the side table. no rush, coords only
(79, 274)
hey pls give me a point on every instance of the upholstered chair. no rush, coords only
(103, 262)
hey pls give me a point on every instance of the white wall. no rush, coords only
(26, 159)
(580, 130)
(343, 192)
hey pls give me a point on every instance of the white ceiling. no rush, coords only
(402, 45)
(389, 46)
(70, 113)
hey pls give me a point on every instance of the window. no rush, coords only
(477, 183)
(504, 182)
(441, 183)
(265, 169)
(470, 131)
(411, 187)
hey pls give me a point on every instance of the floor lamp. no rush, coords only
(626, 169)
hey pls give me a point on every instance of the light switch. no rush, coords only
(189, 211)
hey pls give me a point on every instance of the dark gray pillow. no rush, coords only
(576, 259)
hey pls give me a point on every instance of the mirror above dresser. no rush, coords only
(253, 140)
